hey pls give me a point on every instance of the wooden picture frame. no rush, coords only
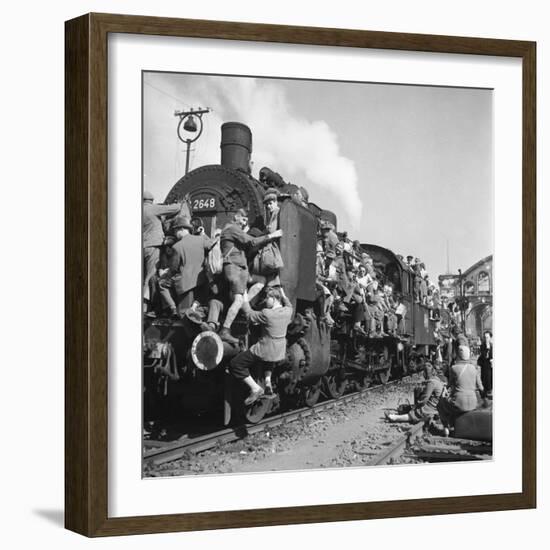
(86, 281)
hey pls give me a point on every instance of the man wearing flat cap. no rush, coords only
(185, 267)
(153, 236)
(234, 243)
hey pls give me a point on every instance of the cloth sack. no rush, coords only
(270, 259)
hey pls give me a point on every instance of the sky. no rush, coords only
(409, 168)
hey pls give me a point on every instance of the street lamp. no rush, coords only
(187, 123)
(462, 302)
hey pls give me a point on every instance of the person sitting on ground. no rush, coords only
(464, 385)
(234, 242)
(426, 400)
(270, 349)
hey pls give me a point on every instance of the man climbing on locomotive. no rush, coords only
(234, 242)
(185, 267)
(270, 349)
(153, 237)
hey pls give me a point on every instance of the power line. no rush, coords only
(167, 94)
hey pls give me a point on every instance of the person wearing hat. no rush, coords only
(329, 238)
(270, 349)
(185, 267)
(271, 209)
(260, 280)
(426, 399)
(234, 242)
(153, 236)
(464, 386)
(325, 296)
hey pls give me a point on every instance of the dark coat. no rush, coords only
(485, 355)
(187, 262)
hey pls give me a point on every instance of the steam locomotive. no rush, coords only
(185, 369)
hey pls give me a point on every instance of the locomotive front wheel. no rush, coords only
(335, 387)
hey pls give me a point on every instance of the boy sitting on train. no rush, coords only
(329, 239)
(270, 349)
(234, 242)
(325, 297)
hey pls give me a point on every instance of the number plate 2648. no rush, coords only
(204, 203)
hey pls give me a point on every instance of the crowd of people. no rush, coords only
(445, 395)
(209, 280)
(185, 269)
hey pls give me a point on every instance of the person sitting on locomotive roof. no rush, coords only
(185, 267)
(153, 237)
(426, 399)
(234, 242)
(300, 196)
(270, 349)
(329, 238)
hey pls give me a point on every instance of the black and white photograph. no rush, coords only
(317, 274)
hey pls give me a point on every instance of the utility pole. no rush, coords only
(187, 123)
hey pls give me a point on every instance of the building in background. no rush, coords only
(472, 292)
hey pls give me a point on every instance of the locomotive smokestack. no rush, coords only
(236, 146)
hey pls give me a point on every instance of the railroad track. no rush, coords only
(166, 452)
(399, 446)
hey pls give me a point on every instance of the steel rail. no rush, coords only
(170, 452)
(399, 446)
